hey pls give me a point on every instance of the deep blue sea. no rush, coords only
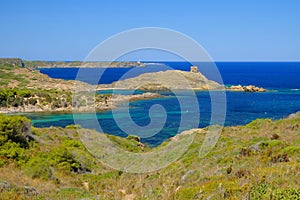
(281, 78)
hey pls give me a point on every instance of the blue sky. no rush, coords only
(232, 30)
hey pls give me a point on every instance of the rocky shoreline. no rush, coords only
(86, 104)
(248, 88)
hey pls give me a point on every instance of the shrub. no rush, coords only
(15, 129)
(55, 104)
(291, 150)
(73, 126)
(261, 191)
(12, 150)
(280, 158)
(189, 193)
(245, 152)
(38, 167)
(285, 194)
(241, 173)
(32, 101)
(270, 144)
(134, 137)
(267, 191)
(3, 161)
(64, 160)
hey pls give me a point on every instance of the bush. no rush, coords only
(32, 101)
(13, 137)
(12, 150)
(64, 160)
(267, 191)
(261, 191)
(2, 162)
(285, 194)
(38, 167)
(291, 150)
(15, 129)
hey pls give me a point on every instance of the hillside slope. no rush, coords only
(257, 161)
(170, 79)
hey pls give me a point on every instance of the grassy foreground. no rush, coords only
(257, 161)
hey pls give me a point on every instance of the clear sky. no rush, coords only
(230, 30)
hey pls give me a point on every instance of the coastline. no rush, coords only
(82, 64)
(109, 103)
(262, 150)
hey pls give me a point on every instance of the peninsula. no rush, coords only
(176, 80)
(23, 89)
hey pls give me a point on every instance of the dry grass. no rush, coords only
(189, 177)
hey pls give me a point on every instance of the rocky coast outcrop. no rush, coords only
(62, 103)
(248, 88)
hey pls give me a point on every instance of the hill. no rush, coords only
(176, 80)
(170, 79)
(256, 161)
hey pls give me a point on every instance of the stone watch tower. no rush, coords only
(194, 69)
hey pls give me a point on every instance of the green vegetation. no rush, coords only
(53, 64)
(6, 76)
(247, 162)
(257, 161)
(24, 97)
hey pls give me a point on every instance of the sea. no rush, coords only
(282, 79)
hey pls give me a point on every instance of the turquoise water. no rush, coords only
(242, 108)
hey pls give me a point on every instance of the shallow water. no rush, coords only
(242, 108)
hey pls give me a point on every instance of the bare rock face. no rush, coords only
(249, 88)
(5, 186)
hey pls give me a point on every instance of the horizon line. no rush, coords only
(33, 60)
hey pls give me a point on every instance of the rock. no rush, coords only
(248, 88)
(294, 115)
(5, 186)
(255, 147)
(30, 191)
